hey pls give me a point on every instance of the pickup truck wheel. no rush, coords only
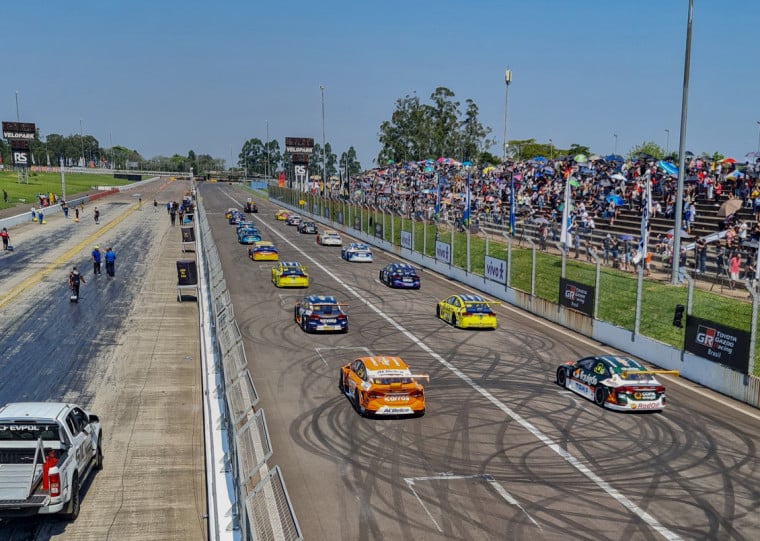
(99, 456)
(74, 502)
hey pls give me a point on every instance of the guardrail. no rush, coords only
(240, 482)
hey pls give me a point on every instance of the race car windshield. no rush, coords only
(634, 376)
(477, 308)
(390, 380)
(326, 309)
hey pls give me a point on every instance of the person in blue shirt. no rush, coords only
(110, 262)
(96, 259)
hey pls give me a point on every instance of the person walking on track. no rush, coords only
(75, 279)
(96, 260)
(110, 262)
(6, 238)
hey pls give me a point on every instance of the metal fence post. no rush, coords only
(467, 239)
(563, 250)
(639, 290)
(532, 267)
(424, 238)
(749, 284)
(597, 280)
(509, 259)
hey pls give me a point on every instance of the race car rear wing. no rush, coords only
(637, 372)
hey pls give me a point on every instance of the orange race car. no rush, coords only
(382, 386)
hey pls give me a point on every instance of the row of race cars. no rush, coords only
(385, 385)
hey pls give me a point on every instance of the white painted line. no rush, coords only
(319, 351)
(411, 487)
(508, 497)
(623, 500)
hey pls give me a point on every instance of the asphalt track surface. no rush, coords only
(502, 453)
(114, 353)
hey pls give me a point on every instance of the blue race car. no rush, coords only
(318, 313)
(248, 236)
(400, 275)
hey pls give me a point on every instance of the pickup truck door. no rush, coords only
(81, 438)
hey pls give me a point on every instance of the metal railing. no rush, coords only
(261, 508)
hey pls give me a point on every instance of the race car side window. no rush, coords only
(451, 301)
(587, 363)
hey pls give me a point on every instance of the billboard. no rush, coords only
(299, 145)
(576, 296)
(19, 130)
(717, 343)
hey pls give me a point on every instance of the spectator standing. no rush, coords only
(110, 258)
(542, 234)
(173, 214)
(6, 238)
(96, 214)
(96, 260)
(5, 196)
(734, 264)
(720, 261)
(155, 206)
(606, 246)
(701, 255)
(65, 209)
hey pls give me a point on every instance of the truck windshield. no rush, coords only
(28, 432)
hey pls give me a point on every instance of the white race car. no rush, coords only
(329, 237)
(357, 251)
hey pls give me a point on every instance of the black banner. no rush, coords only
(576, 296)
(188, 234)
(187, 273)
(718, 343)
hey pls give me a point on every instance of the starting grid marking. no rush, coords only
(488, 478)
(344, 348)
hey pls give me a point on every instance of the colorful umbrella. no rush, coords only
(668, 167)
(580, 158)
(728, 160)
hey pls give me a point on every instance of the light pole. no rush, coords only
(267, 149)
(667, 142)
(507, 81)
(324, 150)
(615, 147)
(674, 277)
(18, 116)
(758, 138)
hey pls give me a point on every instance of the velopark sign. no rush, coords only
(718, 343)
(576, 296)
(19, 130)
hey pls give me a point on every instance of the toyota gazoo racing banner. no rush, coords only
(576, 296)
(718, 343)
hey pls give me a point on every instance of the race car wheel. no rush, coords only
(304, 327)
(438, 312)
(380, 277)
(600, 396)
(454, 320)
(341, 385)
(561, 377)
(357, 407)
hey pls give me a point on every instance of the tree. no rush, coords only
(315, 161)
(349, 163)
(649, 148)
(417, 131)
(253, 156)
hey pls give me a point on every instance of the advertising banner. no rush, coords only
(577, 296)
(718, 343)
(19, 130)
(379, 230)
(406, 240)
(188, 234)
(443, 251)
(496, 269)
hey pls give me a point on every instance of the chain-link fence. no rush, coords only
(262, 508)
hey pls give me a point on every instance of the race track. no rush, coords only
(502, 452)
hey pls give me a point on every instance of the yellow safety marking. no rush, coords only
(62, 259)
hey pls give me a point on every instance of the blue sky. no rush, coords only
(168, 76)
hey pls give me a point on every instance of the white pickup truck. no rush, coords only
(47, 451)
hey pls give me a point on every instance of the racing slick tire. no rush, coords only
(600, 396)
(304, 327)
(454, 321)
(341, 386)
(380, 277)
(357, 406)
(561, 377)
(438, 311)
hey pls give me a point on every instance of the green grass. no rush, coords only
(44, 183)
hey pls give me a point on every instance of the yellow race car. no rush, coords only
(382, 386)
(263, 250)
(467, 312)
(229, 212)
(290, 274)
(281, 215)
